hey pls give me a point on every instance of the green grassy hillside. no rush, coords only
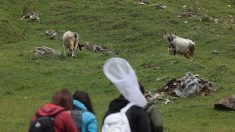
(136, 31)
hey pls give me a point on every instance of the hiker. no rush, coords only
(82, 103)
(153, 113)
(130, 102)
(55, 116)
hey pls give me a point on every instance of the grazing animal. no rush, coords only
(71, 42)
(181, 46)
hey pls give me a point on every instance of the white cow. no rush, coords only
(178, 45)
(71, 42)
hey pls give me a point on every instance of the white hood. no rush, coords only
(119, 71)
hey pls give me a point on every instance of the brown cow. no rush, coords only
(71, 42)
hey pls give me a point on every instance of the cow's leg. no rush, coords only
(192, 59)
(191, 53)
(187, 55)
(174, 52)
(73, 48)
(64, 49)
(74, 53)
(191, 56)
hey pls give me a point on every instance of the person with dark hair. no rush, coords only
(125, 113)
(82, 102)
(58, 112)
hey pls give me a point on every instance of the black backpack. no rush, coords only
(43, 124)
(77, 118)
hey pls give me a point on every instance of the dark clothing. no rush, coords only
(155, 117)
(137, 117)
(63, 120)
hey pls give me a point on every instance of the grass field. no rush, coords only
(136, 32)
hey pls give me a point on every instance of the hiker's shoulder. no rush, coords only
(64, 114)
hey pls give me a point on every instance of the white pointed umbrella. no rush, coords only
(119, 71)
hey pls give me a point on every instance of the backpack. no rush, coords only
(77, 118)
(43, 124)
(155, 117)
(117, 122)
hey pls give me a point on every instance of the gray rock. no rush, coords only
(227, 103)
(44, 52)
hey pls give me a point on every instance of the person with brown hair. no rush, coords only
(55, 116)
(82, 102)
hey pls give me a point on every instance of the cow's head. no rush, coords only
(170, 39)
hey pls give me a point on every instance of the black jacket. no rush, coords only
(137, 117)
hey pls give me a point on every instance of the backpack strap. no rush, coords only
(77, 118)
(124, 109)
(82, 110)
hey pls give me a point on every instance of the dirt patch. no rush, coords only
(92, 47)
(160, 6)
(189, 13)
(186, 86)
(31, 16)
(51, 34)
